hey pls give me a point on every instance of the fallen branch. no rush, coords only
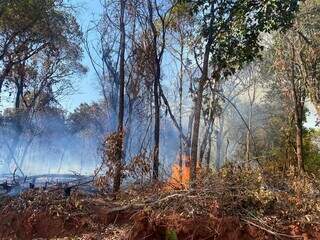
(127, 207)
(270, 231)
(148, 202)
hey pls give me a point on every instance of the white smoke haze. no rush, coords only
(53, 142)
(56, 142)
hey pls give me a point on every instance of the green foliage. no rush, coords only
(87, 118)
(290, 83)
(171, 235)
(311, 144)
(181, 9)
(39, 22)
(180, 19)
(31, 15)
(278, 140)
(39, 40)
(235, 27)
(280, 194)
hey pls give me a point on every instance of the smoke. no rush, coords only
(55, 142)
(49, 141)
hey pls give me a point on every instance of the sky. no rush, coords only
(86, 86)
(87, 89)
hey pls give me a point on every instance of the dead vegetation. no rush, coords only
(231, 204)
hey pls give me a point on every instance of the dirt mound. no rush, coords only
(154, 225)
(51, 215)
(181, 215)
(176, 227)
(226, 206)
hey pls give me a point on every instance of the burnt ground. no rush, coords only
(221, 211)
(170, 215)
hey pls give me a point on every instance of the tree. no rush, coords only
(40, 55)
(252, 97)
(277, 138)
(30, 27)
(118, 168)
(231, 39)
(296, 65)
(115, 58)
(306, 30)
(152, 46)
(293, 87)
(180, 29)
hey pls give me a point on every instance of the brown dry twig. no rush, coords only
(270, 231)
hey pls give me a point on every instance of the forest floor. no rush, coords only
(230, 205)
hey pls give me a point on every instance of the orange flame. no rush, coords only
(180, 178)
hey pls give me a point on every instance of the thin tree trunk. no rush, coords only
(298, 98)
(299, 142)
(195, 134)
(156, 130)
(187, 147)
(180, 109)
(204, 144)
(186, 139)
(198, 107)
(156, 90)
(226, 152)
(218, 149)
(18, 96)
(208, 156)
(248, 138)
(219, 136)
(249, 131)
(128, 128)
(118, 167)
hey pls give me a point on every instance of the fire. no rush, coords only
(178, 180)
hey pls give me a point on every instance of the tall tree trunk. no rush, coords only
(128, 127)
(195, 133)
(208, 155)
(156, 89)
(118, 167)
(219, 143)
(156, 130)
(198, 107)
(18, 96)
(180, 107)
(225, 160)
(248, 137)
(298, 96)
(204, 144)
(248, 144)
(218, 150)
(252, 99)
(206, 141)
(299, 140)
(187, 146)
